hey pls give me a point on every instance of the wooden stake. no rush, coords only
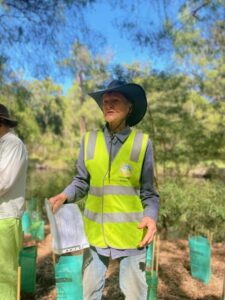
(211, 238)
(153, 254)
(18, 282)
(53, 258)
(223, 292)
(208, 234)
(157, 254)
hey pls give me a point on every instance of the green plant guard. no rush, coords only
(200, 258)
(27, 261)
(153, 285)
(68, 275)
(26, 222)
(151, 274)
(37, 230)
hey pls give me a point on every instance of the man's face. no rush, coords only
(115, 108)
(3, 129)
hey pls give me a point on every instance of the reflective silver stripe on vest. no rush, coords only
(113, 217)
(91, 144)
(136, 150)
(113, 190)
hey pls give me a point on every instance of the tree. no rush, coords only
(17, 97)
(186, 129)
(194, 30)
(31, 31)
(200, 44)
(47, 104)
(152, 31)
(89, 72)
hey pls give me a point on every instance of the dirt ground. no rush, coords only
(175, 281)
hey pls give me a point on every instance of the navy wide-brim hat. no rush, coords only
(133, 92)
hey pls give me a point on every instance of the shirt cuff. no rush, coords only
(70, 195)
(149, 212)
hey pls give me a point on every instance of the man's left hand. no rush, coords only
(150, 224)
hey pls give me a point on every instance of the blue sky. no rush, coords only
(100, 17)
(102, 20)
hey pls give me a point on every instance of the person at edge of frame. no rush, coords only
(115, 171)
(13, 171)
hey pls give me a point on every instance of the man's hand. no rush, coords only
(150, 224)
(57, 201)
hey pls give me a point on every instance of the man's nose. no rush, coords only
(109, 105)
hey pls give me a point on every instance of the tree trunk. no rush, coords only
(83, 127)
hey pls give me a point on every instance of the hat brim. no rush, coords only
(11, 123)
(134, 93)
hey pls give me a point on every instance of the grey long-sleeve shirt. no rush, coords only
(79, 186)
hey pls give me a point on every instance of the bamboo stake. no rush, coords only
(211, 238)
(153, 254)
(53, 258)
(18, 282)
(223, 292)
(157, 254)
(53, 254)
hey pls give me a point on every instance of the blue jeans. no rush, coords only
(132, 276)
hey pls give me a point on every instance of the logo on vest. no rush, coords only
(126, 170)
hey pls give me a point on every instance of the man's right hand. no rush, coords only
(57, 201)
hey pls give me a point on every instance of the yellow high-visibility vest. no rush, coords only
(113, 207)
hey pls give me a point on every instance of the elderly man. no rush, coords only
(115, 171)
(13, 168)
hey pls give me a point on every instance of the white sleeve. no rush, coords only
(13, 160)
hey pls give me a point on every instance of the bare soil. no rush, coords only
(175, 281)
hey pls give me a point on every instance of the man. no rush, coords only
(13, 168)
(115, 171)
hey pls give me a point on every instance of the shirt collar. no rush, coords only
(121, 136)
(5, 136)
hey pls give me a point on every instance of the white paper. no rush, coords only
(67, 228)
